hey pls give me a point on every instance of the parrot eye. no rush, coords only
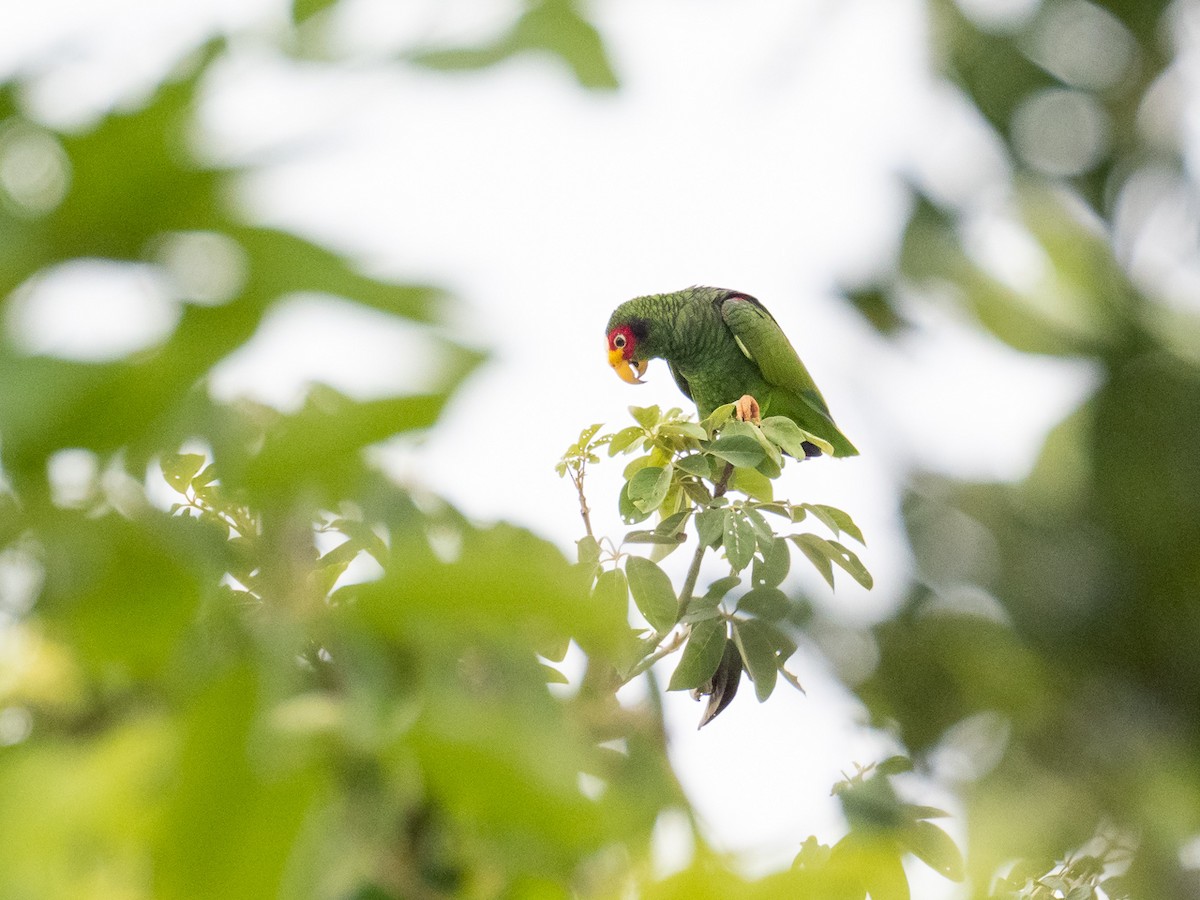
(619, 342)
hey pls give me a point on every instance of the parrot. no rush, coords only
(722, 346)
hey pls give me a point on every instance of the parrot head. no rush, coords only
(623, 355)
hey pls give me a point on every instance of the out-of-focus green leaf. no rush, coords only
(547, 25)
(652, 592)
(587, 551)
(933, 847)
(700, 656)
(612, 590)
(179, 469)
(302, 10)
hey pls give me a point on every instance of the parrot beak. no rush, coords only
(624, 368)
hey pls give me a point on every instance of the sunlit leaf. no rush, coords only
(625, 439)
(646, 416)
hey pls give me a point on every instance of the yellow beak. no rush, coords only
(624, 367)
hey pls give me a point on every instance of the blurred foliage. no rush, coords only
(304, 679)
(1048, 645)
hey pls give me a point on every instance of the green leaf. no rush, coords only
(835, 520)
(684, 429)
(701, 608)
(762, 530)
(701, 655)
(772, 568)
(822, 553)
(675, 523)
(625, 439)
(768, 603)
(758, 654)
(302, 10)
(881, 871)
(722, 586)
(816, 554)
(769, 468)
(718, 417)
(695, 464)
(180, 468)
(652, 592)
(646, 416)
(553, 675)
(655, 537)
(630, 514)
(741, 450)
(710, 526)
(648, 488)
(926, 812)
(894, 765)
(849, 561)
(790, 437)
(206, 477)
(696, 492)
(587, 551)
(612, 590)
(738, 539)
(636, 465)
(752, 483)
(935, 848)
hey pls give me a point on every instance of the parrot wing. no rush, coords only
(764, 343)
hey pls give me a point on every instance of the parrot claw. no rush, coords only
(746, 409)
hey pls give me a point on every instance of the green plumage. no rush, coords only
(721, 344)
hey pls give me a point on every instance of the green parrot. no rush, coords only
(722, 347)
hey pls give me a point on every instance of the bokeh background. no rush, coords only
(359, 256)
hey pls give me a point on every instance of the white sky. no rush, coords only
(752, 146)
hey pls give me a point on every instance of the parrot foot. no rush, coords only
(746, 410)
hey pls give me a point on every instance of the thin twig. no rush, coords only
(584, 512)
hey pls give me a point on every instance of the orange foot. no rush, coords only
(746, 409)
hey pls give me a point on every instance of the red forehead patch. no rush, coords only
(621, 338)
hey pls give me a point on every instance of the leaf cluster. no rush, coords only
(715, 480)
